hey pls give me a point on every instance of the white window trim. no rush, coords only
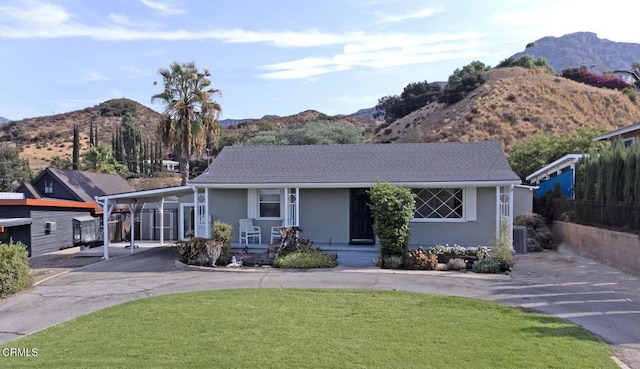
(469, 209)
(253, 205)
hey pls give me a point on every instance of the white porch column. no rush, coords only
(161, 208)
(196, 217)
(132, 210)
(498, 212)
(207, 222)
(107, 209)
(287, 207)
(511, 214)
(297, 206)
(291, 207)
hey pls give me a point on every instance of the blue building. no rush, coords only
(561, 172)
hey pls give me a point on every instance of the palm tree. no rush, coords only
(100, 159)
(190, 114)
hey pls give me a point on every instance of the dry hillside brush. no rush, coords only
(514, 104)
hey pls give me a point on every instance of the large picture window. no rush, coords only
(439, 203)
(269, 203)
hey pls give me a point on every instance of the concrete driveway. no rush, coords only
(600, 298)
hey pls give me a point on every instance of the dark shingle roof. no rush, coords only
(365, 163)
(87, 185)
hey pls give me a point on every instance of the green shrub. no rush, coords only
(502, 250)
(392, 208)
(222, 233)
(306, 260)
(481, 252)
(456, 264)
(419, 259)
(193, 251)
(488, 265)
(537, 229)
(631, 94)
(15, 273)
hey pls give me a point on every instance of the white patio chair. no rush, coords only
(248, 230)
(275, 232)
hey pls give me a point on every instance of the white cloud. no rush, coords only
(382, 51)
(166, 7)
(34, 12)
(135, 72)
(95, 76)
(424, 13)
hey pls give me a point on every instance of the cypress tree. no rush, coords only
(629, 178)
(95, 131)
(91, 143)
(76, 148)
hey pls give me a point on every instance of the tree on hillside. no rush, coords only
(60, 163)
(308, 133)
(190, 114)
(528, 62)
(531, 154)
(75, 160)
(463, 81)
(131, 137)
(100, 159)
(13, 170)
(414, 96)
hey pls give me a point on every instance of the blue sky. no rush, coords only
(269, 57)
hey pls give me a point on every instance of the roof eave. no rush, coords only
(490, 183)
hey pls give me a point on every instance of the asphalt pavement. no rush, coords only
(598, 297)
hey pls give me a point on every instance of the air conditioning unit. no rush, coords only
(50, 226)
(520, 239)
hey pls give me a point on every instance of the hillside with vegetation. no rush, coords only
(41, 139)
(513, 104)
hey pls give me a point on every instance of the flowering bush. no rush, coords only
(451, 251)
(481, 252)
(583, 75)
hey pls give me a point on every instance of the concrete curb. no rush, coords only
(344, 269)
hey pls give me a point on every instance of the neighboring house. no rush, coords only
(561, 172)
(629, 135)
(57, 209)
(629, 76)
(462, 190)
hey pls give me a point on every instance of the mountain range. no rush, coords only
(583, 49)
(513, 104)
(4, 120)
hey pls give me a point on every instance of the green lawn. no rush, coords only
(291, 328)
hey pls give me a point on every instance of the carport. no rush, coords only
(134, 202)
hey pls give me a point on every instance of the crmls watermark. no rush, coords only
(19, 352)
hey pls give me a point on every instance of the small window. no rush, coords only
(269, 203)
(628, 141)
(48, 186)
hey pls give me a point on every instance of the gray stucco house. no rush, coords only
(463, 191)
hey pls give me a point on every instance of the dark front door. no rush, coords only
(361, 222)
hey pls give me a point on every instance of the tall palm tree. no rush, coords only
(191, 113)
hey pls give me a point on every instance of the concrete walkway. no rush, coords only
(598, 297)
